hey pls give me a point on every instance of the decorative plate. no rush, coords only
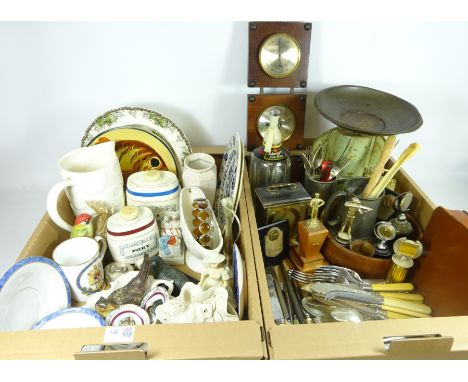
(230, 176)
(30, 290)
(239, 280)
(168, 140)
(127, 315)
(71, 318)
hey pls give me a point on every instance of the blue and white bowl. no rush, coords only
(70, 318)
(29, 291)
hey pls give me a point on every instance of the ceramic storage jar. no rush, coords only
(157, 190)
(131, 233)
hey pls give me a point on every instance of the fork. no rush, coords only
(337, 274)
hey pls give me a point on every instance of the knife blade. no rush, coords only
(333, 290)
(275, 304)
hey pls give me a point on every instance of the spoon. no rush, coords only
(340, 314)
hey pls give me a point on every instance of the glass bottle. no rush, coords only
(270, 163)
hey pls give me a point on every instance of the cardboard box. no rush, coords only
(340, 340)
(233, 340)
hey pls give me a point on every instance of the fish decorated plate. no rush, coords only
(230, 176)
(145, 140)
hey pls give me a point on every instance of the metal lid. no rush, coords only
(279, 194)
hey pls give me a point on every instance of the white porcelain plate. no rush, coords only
(230, 176)
(128, 315)
(239, 280)
(29, 291)
(71, 318)
(162, 128)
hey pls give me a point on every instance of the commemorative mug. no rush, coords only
(88, 174)
(334, 213)
(81, 260)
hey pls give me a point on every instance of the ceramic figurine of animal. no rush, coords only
(132, 293)
(83, 226)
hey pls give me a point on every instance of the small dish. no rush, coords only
(30, 290)
(230, 176)
(70, 318)
(195, 252)
(155, 297)
(127, 315)
(239, 280)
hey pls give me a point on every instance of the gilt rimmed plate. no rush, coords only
(169, 138)
(230, 176)
(128, 315)
(29, 291)
(71, 318)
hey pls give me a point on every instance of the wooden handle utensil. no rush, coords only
(407, 154)
(379, 168)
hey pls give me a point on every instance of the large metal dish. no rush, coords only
(367, 110)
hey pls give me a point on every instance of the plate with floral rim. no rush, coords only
(71, 318)
(229, 176)
(170, 140)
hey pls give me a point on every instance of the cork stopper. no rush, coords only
(129, 213)
(152, 175)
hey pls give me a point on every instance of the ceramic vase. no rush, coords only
(200, 171)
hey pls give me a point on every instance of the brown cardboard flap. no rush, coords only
(365, 340)
(441, 273)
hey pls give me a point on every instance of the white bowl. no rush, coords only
(29, 291)
(71, 318)
(196, 251)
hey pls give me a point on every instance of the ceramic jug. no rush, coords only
(88, 174)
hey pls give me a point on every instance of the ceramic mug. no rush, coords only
(334, 213)
(200, 171)
(81, 260)
(89, 174)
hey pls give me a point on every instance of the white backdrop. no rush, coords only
(56, 78)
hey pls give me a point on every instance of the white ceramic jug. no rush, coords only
(88, 174)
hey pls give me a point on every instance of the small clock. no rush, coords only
(279, 55)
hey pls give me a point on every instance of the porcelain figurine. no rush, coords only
(196, 305)
(161, 270)
(215, 273)
(83, 226)
(171, 244)
(132, 293)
